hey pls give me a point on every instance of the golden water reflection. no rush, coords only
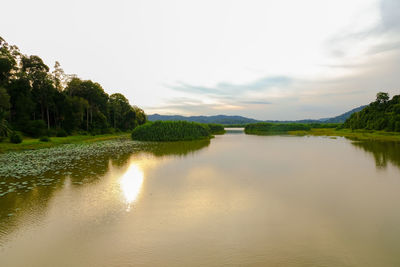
(131, 183)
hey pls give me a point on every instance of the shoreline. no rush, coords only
(35, 143)
(356, 135)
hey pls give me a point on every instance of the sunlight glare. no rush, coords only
(131, 184)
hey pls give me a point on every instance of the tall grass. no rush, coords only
(271, 128)
(171, 131)
(263, 128)
(216, 128)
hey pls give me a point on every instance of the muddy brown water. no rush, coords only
(235, 200)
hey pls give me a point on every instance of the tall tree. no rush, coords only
(42, 85)
(59, 77)
(95, 96)
(32, 96)
(382, 97)
(4, 107)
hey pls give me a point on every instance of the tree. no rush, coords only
(43, 89)
(123, 115)
(22, 104)
(119, 107)
(4, 107)
(383, 114)
(382, 97)
(74, 109)
(4, 100)
(9, 58)
(59, 77)
(95, 96)
(32, 97)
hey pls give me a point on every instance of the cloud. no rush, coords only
(381, 37)
(227, 89)
(390, 10)
(361, 60)
(385, 47)
(256, 102)
(223, 96)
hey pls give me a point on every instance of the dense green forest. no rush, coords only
(382, 114)
(40, 102)
(171, 131)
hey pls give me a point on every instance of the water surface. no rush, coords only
(234, 200)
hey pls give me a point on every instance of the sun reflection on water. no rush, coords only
(131, 184)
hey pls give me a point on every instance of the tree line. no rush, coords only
(383, 115)
(37, 101)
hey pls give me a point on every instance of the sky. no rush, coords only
(264, 59)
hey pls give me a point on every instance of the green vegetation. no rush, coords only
(359, 135)
(381, 115)
(15, 138)
(38, 102)
(44, 139)
(61, 133)
(235, 125)
(216, 128)
(35, 143)
(266, 128)
(46, 163)
(171, 131)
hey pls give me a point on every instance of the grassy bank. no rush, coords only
(354, 135)
(35, 143)
(264, 128)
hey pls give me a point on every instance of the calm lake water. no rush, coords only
(234, 200)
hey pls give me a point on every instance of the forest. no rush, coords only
(38, 102)
(383, 115)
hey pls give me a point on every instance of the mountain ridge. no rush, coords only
(236, 119)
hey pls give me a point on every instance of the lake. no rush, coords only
(234, 200)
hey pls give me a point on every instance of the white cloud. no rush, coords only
(141, 48)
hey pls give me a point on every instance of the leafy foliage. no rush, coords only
(4, 128)
(270, 128)
(61, 133)
(15, 138)
(44, 139)
(171, 131)
(216, 128)
(30, 94)
(35, 128)
(383, 114)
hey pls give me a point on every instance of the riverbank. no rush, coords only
(35, 143)
(25, 170)
(358, 135)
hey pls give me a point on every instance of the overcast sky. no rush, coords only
(265, 59)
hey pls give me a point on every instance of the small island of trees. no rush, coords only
(175, 131)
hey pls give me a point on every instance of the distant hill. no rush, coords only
(225, 119)
(381, 115)
(220, 119)
(342, 118)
